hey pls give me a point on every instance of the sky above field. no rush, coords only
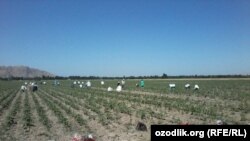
(127, 37)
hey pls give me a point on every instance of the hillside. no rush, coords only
(22, 71)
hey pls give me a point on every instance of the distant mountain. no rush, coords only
(22, 71)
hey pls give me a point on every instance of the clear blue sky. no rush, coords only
(127, 37)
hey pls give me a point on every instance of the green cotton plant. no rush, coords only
(124, 109)
(79, 119)
(142, 114)
(65, 100)
(27, 115)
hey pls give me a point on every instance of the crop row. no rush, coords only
(10, 119)
(27, 115)
(90, 103)
(193, 107)
(68, 110)
(58, 113)
(64, 100)
(5, 95)
(116, 106)
(6, 103)
(43, 118)
(223, 89)
(73, 102)
(111, 103)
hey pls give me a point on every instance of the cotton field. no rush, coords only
(110, 110)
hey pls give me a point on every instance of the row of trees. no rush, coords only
(163, 76)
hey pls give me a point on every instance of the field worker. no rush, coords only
(123, 83)
(23, 88)
(119, 88)
(110, 89)
(88, 84)
(142, 83)
(102, 82)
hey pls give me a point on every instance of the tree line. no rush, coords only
(163, 76)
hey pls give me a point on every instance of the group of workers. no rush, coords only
(122, 83)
